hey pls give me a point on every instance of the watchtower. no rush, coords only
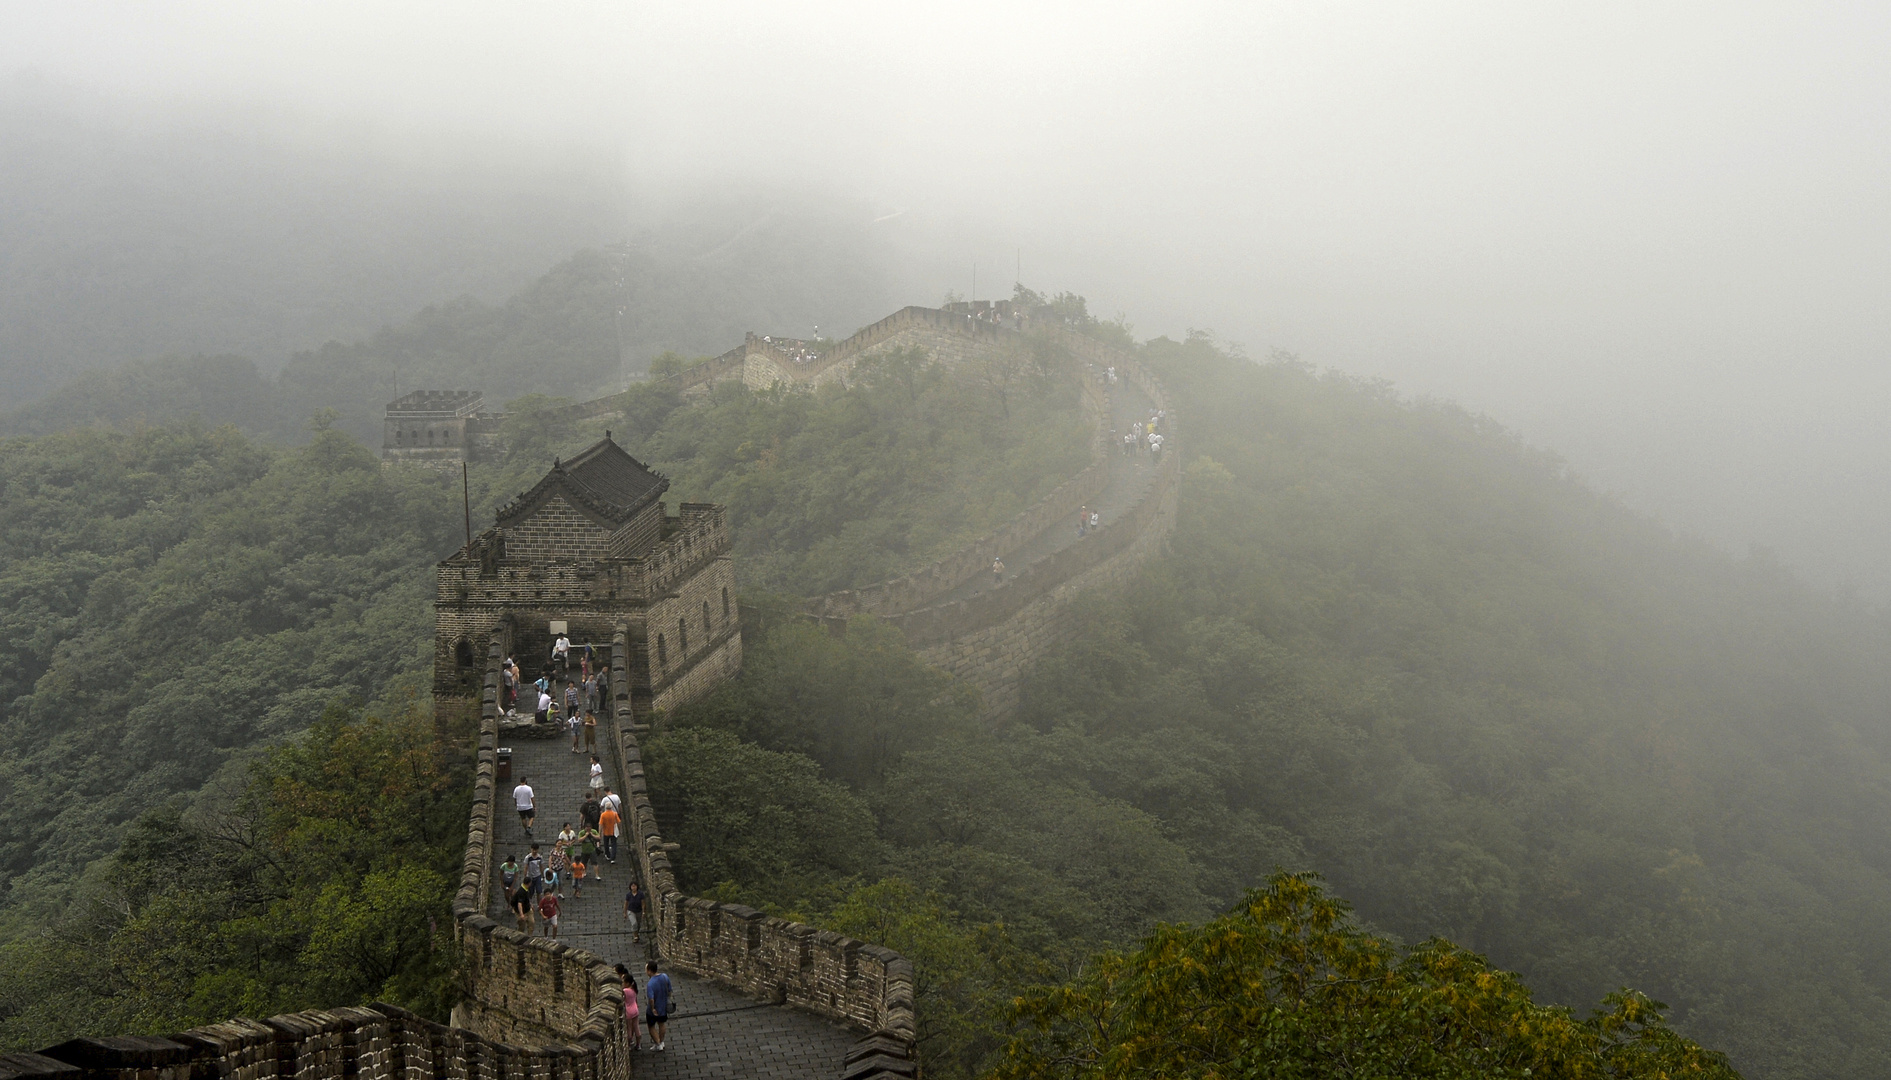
(592, 546)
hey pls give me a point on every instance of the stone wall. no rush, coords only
(770, 959)
(992, 639)
(517, 988)
(380, 1042)
(921, 587)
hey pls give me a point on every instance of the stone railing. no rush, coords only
(379, 1042)
(773, 960)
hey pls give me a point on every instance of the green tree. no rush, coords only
(1287, 985)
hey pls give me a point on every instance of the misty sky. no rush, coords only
(1651, 236)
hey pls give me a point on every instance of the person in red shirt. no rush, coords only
(548, 915)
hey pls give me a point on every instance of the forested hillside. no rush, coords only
(1388, 643)
(1392, 645)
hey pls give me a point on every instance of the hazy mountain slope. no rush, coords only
(127, 236)
(1493, 705)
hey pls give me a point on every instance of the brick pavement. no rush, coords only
(714, 1031)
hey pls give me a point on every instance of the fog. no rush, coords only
(1650, 237)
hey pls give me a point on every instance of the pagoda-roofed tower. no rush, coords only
(592, 547)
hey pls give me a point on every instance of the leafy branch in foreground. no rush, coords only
(1286, 985)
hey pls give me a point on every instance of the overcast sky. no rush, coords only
(1653, 236)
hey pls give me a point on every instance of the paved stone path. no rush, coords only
(714, 1031)
(1130, 477)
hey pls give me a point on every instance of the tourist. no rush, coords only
(561, 850)
(611, 802)
(577, 875)
(522, 907)
(591, 809)
(511, 691)
(590, 732)
(535, 872)
(544, 708)
(543, 683)
(508, 875)
(997, 570)
(591, 692)
(657, 985)
(575, 727)
(548, 915)
(631, 1034)
(633, 912)
(561, 653)
(572, 697)
(1083, 520)
(522, 799)
(1096, 518)
(607, 831)
(588, 849)
(597, 774)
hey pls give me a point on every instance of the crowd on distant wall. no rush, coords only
(797, 351)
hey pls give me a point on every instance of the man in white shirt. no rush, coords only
(522, 798)
(561, 652)
(611, 802)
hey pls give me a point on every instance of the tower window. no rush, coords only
(725, 603)
(682, 636)
(663, 654)
(706, 623)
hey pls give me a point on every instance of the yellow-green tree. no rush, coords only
(1286, 985)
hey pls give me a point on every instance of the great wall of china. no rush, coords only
(538, 1008)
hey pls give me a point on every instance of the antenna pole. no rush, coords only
(466, 495)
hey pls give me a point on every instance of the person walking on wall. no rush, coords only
(588, 849)
(597, 775)
(591, 692)
(657, 985)
(535, 872)
(522, 907)
(575, 727)
(522, 799)
(631, 1035)
(611, 802)
(633, 912)
(591, 810)
(548, 915)
(607, 831)
(591, 732)
(997, 570)
(573, 696)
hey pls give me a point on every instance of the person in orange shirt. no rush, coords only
(607, 831)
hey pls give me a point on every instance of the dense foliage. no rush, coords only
(315, 875)
(173, 597)
(1393, 645)
(1286, 985)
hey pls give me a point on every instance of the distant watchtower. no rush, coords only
(439, 427)
(591, 546)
